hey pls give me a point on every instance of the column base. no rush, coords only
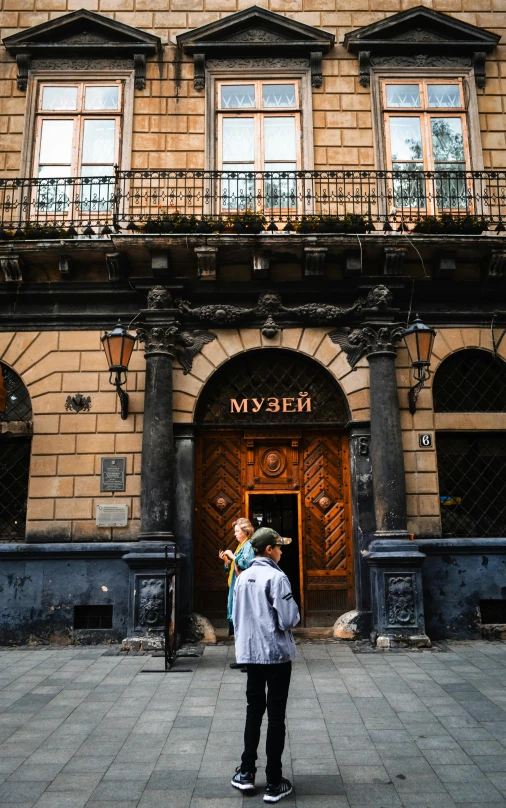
(393, 641)
(396, 592)
(146, 642)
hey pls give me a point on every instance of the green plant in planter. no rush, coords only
(350, 223)
(447, 223)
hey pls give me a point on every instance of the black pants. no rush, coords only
(277, 679)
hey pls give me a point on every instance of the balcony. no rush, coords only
(215, 202)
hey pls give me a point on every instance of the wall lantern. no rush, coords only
(419, 339)
(118, 347)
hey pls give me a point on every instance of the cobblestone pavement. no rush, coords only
(85, 727)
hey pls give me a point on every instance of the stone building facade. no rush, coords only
(265, 196)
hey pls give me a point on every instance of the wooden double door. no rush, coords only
(292, 480)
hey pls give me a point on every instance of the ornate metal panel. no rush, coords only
(326, 531)
(219, 504)
(470, 381)
(278, 375)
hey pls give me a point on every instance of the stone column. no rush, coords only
(184, 498)
(159, 332)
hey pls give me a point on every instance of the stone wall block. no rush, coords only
(73, 508)
(340, 366)
(45, 342)
(114, 423)
(55, 362)
(94, 444)
(81, 422)
(80, 341)
(89, 487)
(22, 340)
(230, 341)
(183, 402)
(72, 464)
(54, 444)
(311, 340)
(250, 338)
(214, 353)
(80, 382)
(326, 351)
(51, 487)
(40, 509)
(5, 340)
(39, 390)
(46, 424)
(186, 384)
(356, 380)
(43, 466)
(128, 443)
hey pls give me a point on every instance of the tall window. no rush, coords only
(258, 129)
(471, 465)
(78, 135)
(15, 444)
(425, 130)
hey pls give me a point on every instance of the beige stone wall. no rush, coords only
(169, 118)
(64, 486)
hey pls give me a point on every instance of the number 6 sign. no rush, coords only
(425, 440)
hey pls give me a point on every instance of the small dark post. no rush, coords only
(157, 474)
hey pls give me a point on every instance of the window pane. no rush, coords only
(406, 139)
(238, 140)
(238, 96)
(444, 95)
(278, 95)
(98, 141)
(409, 189)
(56, 142)
(447, 140)
(279, 137)
(403, 95)
(101, 98)
(59, 98)
(53, 192)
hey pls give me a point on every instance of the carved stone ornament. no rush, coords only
(159, 340)
(150, 601)
(270, 328)
(420, 37)
(400, 598)
(117, 267)
(11, 267)
(268, 305)
(380, 298)
(371, 338)
(256, 37)
(159, 298)
(82, 40)
(78, 403)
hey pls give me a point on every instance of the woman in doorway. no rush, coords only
(236, 562)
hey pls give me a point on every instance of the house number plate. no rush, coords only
(425, 440)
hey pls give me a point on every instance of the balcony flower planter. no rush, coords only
(351, 223)
(446, 223)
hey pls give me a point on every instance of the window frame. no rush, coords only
(247, 75)
(403, 75)
(29, 153)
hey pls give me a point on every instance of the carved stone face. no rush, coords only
(159, 298)
(379, 298)
(269, 301)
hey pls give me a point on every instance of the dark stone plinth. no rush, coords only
(151, 571)
(397, 594)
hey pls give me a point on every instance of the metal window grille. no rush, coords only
(18, 406)
(89, 617)
(470, 381)
(472, 484)
(271, 374)
(14, 466)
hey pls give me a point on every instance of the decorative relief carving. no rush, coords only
(78, 403)
(11, 267)
(400, 597)
(372, 338)
(323, 501)
(82, 64)
(315, 64)
(255, 35)
(420, 60)
(379, 298)
(150, 601)
(248, 64)
(418, 35)
(84, 38)
(221, 502)
(159, 298)
(272, 462)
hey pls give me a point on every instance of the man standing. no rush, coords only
(264, 612)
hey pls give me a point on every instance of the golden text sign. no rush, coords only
(300, 403)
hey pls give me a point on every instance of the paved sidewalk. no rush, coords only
(81, 727)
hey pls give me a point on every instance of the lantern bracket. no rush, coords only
(122, 394)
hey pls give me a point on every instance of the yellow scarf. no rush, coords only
(232, 567)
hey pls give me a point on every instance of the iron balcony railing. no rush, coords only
(336, 201)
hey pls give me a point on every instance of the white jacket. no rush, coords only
(264, 612)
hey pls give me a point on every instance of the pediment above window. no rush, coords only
(421, 37)
(82, 40)
(256, 33)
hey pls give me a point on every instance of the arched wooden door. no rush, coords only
(232, 471)
(271, 425)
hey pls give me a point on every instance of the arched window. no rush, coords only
(470, 381)
(471, 464)
(15, 441)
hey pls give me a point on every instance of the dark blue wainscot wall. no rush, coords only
(41, 584)
(457, 575)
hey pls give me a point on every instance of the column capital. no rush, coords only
(159, 340)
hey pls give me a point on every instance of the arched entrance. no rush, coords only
(271, 446)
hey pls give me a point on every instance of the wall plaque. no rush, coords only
(113, 474)
(425, 440)
(111, 515)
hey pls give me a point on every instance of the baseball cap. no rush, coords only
(265, 536)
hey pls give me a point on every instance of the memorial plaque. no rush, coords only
(111, 516)
(113, 474)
